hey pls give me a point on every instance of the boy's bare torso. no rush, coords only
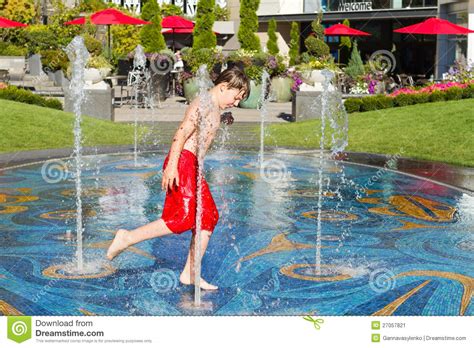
(208, 129)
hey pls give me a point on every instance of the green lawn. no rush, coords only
(442, 131)
(30, 127)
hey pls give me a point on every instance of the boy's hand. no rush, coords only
(227, 118)
(170, 176)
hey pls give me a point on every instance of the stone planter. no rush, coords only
(15, 65)
(252, 101)
(316, 78)
(160, 84)
(191, 89)
(303, 106)
(93, 75)
(280, 90)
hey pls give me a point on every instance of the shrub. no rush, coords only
(403, 100)
(468, 92)
(23, 96)
(272, 44)
(150, 35)
(453, 93)
(93, 45)
(420, 98)
(353, 105)
(254, 72)
(203, 35)
(369, 103)
(294, 43)
(249, 25)
(7, 49)
(315, 42)
(355, 67)
(53, 60)
(383, 102)
(195, 58)
(437, 96)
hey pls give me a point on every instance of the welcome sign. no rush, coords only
(352, 6)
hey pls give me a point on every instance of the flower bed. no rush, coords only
(410, 96)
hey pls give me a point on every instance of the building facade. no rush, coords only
(188, 6)
(414, 54)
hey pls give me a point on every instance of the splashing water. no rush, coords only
(205, 103)
(332, 111)
(263, 112)
(78, 55)
(139, 66)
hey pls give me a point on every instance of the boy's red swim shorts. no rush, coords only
(179, 212)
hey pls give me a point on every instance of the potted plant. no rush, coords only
(281, 83)
(240, 58)
(160, 65)
(254, 73)
(100, 63)
(193, 59)
(55, 63)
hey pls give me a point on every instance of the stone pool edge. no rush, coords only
(457, 177)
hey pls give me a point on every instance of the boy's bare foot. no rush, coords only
(184, 279)
(119, 244)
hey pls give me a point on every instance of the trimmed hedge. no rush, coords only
(379, 102)
(353, 104)
(453, 93)
(24, 96)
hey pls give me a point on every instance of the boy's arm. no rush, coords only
(185, 130)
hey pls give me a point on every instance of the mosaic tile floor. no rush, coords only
(404, 246)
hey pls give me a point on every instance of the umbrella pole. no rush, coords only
(108, 39)
(174, 48)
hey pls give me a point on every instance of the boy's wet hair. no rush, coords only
(235, 78)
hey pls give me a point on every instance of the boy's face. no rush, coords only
(229, 97)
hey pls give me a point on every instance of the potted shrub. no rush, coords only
(193, 59)
(281, 83)
(101, 64)
(240, 58)
(55, 63)
(254, 73)
(160, 65)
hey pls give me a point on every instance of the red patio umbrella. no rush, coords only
(181, 31)
(176, 23)
(7, 23)
(108, 17)
(435, 26)
(343, 30)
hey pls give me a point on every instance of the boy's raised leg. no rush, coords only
(187, 275)
(124, 238)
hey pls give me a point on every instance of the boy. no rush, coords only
(180, 175)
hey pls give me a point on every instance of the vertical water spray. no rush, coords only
(139, 66)
(263, 112)
(205, 103)
(332, 111)
(78, 55)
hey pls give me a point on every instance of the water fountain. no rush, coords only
(205, 102)
(78, 55)
(332, 111)
(410, 230)
(263, 112)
